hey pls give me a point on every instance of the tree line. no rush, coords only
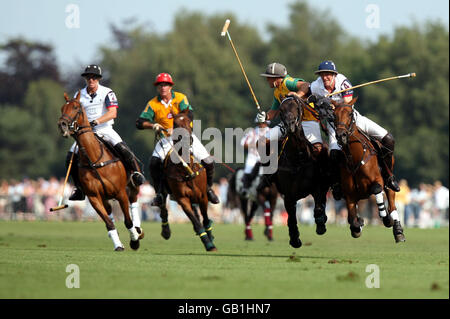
(415, 111)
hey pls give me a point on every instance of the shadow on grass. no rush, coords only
(241, 255)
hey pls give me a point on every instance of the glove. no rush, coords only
(93, 123)
(157, 127)
(260, 117)
(312, 99)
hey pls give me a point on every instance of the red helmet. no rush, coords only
(163, 77)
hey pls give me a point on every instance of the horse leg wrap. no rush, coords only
(134, 235)
(134, 209)
(380, 203)
(114, 235)
(267, 217)
(248, 232)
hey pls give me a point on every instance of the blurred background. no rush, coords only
(45, 46)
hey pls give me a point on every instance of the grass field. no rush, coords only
(34, 256)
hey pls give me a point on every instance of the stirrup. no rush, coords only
(77, 195)
(138, 178)
(212, 197)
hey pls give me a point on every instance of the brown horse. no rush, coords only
(262, 193)
(102, 175)
(360, 172)
(187, 183)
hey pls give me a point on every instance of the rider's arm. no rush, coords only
(110, 115)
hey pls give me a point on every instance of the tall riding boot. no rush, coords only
(130, 162)
(335, 170)
(387, 154)
(212, 197)
(248, 179)
(156, 172)
(77, 193)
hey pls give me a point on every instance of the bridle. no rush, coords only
(72, 122)
(299, 110)
(349, 128)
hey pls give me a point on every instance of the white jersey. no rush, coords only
(341, 83)
(98, 104)
(366, 125)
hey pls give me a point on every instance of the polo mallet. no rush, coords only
(225, 31)
(52, 209)
(185, 165)
(409, 75)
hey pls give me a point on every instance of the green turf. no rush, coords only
(34, 256)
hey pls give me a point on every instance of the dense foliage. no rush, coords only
(204, 67)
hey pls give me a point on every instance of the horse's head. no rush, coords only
(291, 113)
(72, 116)
(182, 126)
(344, 121)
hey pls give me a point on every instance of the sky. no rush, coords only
(76, 28)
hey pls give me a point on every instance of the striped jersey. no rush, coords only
(289, 84)
(159, 112)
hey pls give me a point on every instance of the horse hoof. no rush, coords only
(212, 249)
(119, 249)
(249, 238)
(296, 243)
(140, 232)
(400, 238)
(165, 232)
(398, 232)
(388, 221)
(134, 244)
(321, 229)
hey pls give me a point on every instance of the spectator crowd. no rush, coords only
(426, 206)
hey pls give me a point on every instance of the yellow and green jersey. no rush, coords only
(157, 112)
(289, 84)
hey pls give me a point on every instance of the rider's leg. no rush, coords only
(387, 140)
(336, 159)
(201, 154)
(156, 172)
(77, 192)
(387, 151)
(208, 163)
(130, 161)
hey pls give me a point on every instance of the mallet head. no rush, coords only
(225, 27)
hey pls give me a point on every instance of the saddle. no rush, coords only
(195, 167)
(110, 147)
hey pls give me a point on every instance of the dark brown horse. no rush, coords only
(187, 183)
(360, 172)
(299, 174)
(102, 175)
(262, 193)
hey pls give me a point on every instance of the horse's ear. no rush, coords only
(78, 96)
(66, 97)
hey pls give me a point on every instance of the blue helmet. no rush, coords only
(327, 66)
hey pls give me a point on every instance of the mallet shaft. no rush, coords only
(409, 75)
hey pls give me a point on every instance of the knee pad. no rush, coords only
(388, 141)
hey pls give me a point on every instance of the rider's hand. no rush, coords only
(293, 94)
(260, 117)
(157, 127)
(93, 123)
(312, 99)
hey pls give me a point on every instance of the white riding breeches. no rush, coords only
(250, 162)
(164, 146)
(107, 133)
(310, 128)
(369, 127)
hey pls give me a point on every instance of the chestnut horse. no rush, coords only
(262, 193)
(102, 175)
(187, 183)
(299, 174)
(360, 172)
